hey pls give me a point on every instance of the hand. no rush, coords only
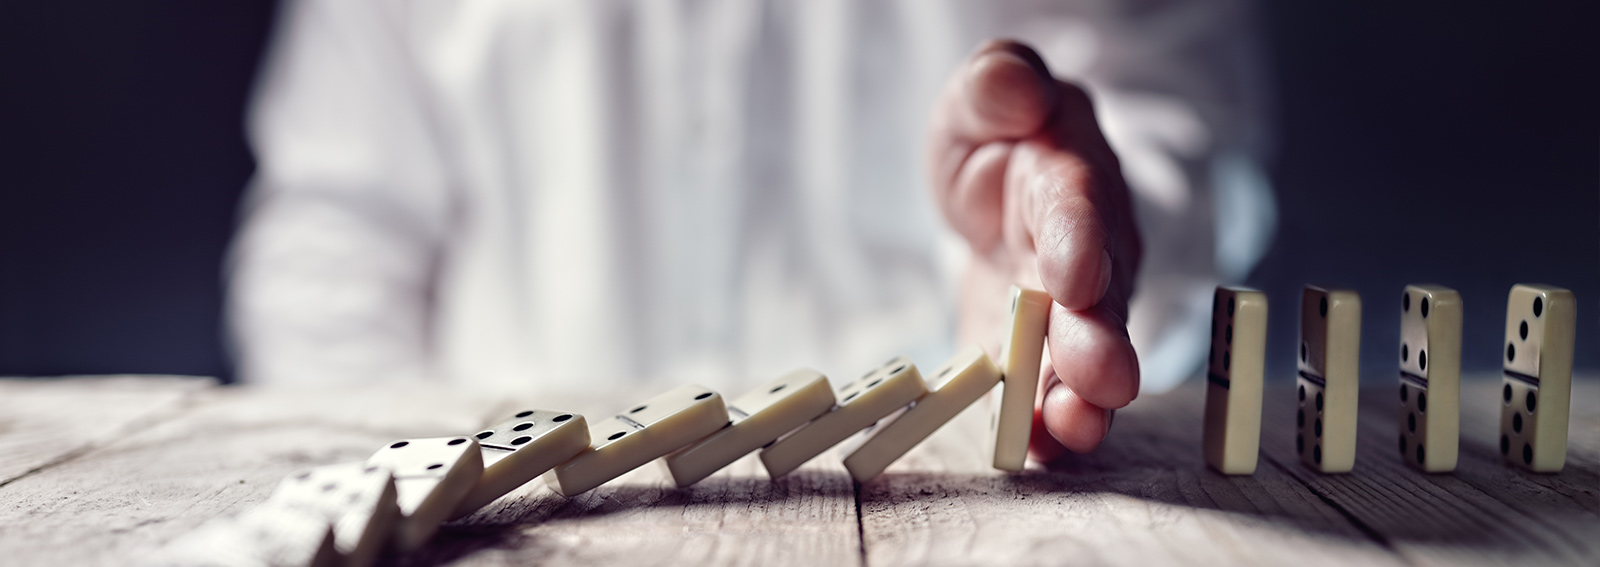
(1021, 170)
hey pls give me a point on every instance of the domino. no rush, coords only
(359, 499)
(961, 381)
(1430, 377)
(431, 476)
(1329, 365)
(758, 419)
(1021, 354)
(1235, 376)
(658, 426)
(862, 402)
(520, 449)
(265, 536)
(1536, 395)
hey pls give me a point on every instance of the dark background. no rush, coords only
(1457, 144)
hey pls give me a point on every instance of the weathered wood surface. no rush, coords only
(157, 466)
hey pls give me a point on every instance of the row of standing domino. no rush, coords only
(1534, 397)
(347, 514)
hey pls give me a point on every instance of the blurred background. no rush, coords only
(1441, 142)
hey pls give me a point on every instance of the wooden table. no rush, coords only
(103, 470)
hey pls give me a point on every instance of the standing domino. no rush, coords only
(658, 426)
(1235, 374)
(1536, 395)
(1430, 377)
(862, 402)
(962, 381)
(1021, 354)
(759, 417)
(359, 499)
(522, 448)
(1330, 361)
(431, 477)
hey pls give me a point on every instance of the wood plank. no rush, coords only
(1144, 497)
(1485, 513)
(125, 498)
(47, 421)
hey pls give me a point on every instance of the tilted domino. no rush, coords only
(359, 499)
(1535, 397)
(265, 536)
(758, 418)
(1329, 365)
(959, 383)
(1235, 375)
(658, 426)
(862, 402)
(431, 477)
(1430, 377)
(1021, 353)
(520, 449)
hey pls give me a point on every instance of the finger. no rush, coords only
(1003, 92)
(1092, 355)
(1066, 201)
(1076, 424)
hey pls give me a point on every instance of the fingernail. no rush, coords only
(1105, 275)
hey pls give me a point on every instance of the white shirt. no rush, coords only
(564, 194)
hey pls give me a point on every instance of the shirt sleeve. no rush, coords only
(332, 270)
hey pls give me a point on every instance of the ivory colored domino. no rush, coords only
(358, 499)
(862, 402)
(1430, 377)
(431, 476)
(1536, 395)
(758, 418)
(264, 536)
(1235, 376)
(1021, 353)
(1329, 365)
(652, 429)
(961, 381)
(520, 449)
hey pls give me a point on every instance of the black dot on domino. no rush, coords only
(852, 396)
(1228, 338)
(485, 434)
(1527, 450)
(1506, 393)
(1419, 454)
(521, 440)
(1316, 454)
(1227, 359)
(524, 426)
(1505, 444)
(1405, 303)
(1317, 427)
(1303, 392)
(897, 369)
(1405, 352)
(1424, 316)
(1511, 352)
(1422, 402)
(1319, 401)
(1403, 393)
(456, 441)
(1411, 422)
(874, 383)
(777, 389)
(435, 466)
(1322, 308)
(1230, 307)
(369, 470)
(703, 396)
(637, 409)
(1538, 306)
(1422, 359)
(523, 414)
(303, 476)
(944, 371)
(399, 444)
(1302, 351)
(616, 436)
(1516, 422)
(1530, 401)
(1523, 330)
(561, 418)
(329, 487)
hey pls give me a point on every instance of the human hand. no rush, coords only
(1022, 171)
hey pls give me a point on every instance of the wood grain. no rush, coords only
(46, 421)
